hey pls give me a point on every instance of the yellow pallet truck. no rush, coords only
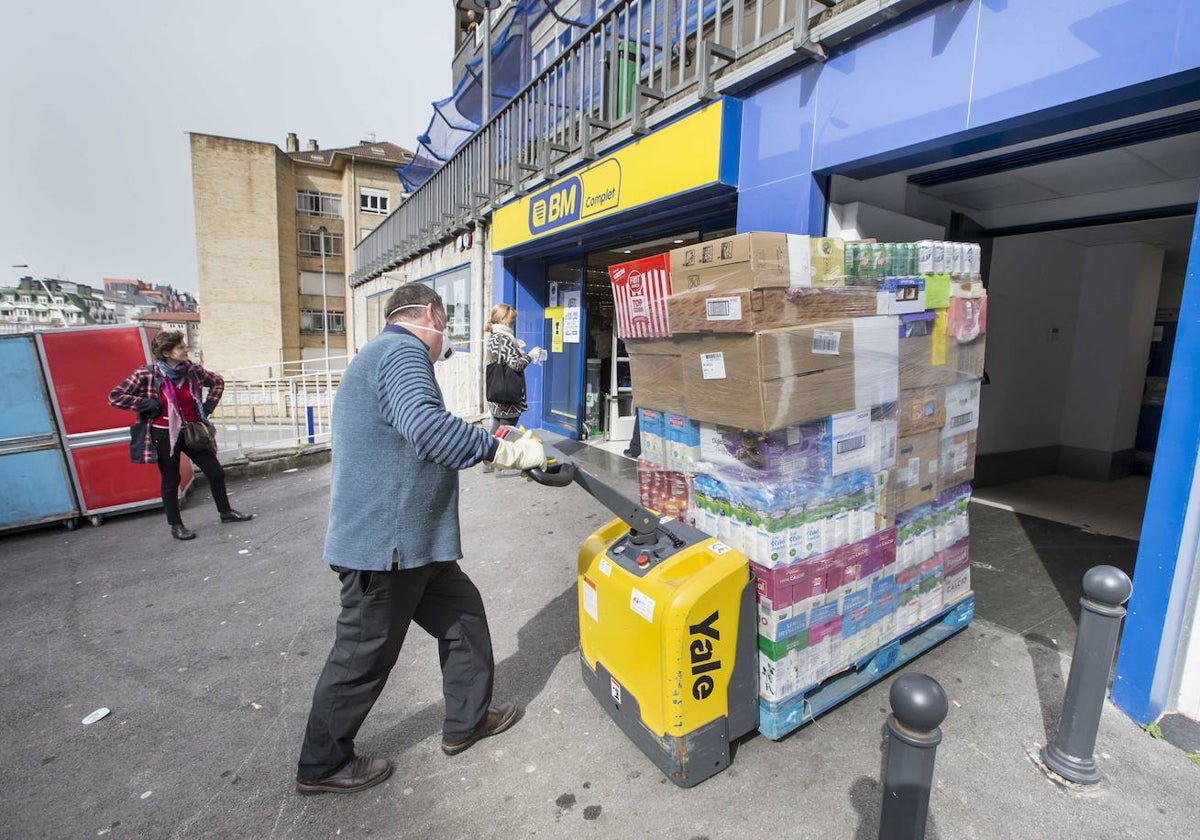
(666, 631)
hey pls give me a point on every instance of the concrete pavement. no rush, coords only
(207, 651)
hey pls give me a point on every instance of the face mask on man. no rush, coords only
(445, 349)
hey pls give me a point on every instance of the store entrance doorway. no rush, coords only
(564, 325)
(611, 391)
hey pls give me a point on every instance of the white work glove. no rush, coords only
(523, 453)
(537, 354)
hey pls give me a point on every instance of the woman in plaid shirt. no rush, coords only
(165, 394)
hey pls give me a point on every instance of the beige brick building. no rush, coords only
(259, 211)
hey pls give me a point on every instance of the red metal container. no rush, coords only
(82, 364)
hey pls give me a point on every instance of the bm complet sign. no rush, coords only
(591, 192)
(696, 151)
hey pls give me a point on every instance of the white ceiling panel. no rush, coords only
(969, 185)
(1171, 235)
(1094, 173)
(1012, 191)
(1182, 165)
(1182, 144)
(1173, 232)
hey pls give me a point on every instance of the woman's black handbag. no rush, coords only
(505, 386)
(199, 434)
(137, 440)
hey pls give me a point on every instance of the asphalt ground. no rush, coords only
(207, 651)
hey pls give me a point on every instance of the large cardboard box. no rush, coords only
(921, 409)
(957, 460)
(751, 310)
(757, 261)
(640, 292)
(914, 480)
(776, 378)
(962, 408)
(966, 360)
(656, 373)
(920, 367)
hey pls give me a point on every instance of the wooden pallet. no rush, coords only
(776, 720)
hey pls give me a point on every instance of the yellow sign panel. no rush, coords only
(555, 315)
(938, 353)
(680, 157)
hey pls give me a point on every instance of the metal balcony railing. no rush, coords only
(642, 62)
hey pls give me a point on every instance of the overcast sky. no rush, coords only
(98, 97)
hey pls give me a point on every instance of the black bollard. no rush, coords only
(918, 708)
(1105, 590)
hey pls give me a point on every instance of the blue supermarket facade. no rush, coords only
(1038, 129)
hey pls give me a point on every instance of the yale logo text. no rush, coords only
(700, 651)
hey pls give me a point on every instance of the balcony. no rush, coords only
(470, 46)
(641, 64)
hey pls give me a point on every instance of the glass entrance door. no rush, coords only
(564, 328)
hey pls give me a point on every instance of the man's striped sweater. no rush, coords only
(396, 457)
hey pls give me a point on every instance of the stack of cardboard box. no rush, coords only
(814, 404)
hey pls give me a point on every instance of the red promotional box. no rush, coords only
(640, 292)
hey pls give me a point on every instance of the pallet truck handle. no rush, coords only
(561, 471)
(556, 473)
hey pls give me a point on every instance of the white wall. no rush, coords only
(1117, 298)
(1140, 333)
(1170, 291)
(858, 220)
(1033, 289)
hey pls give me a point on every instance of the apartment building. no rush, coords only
(38, 304)
(275, 232)
(187, 323)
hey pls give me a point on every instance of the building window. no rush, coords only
(454, 287)
(334, 285)
(373, 201)
(327, 205)
(310, 243)
(313, 320)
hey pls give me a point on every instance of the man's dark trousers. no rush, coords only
(377, 608)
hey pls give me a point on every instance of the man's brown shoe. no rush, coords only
(498, 719)
(359, 773)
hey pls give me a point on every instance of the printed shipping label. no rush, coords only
(960, 452)
(826, 343)
(723, 309)
(850, 432)
(589, 598)
(642, 604)
(712, 365)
